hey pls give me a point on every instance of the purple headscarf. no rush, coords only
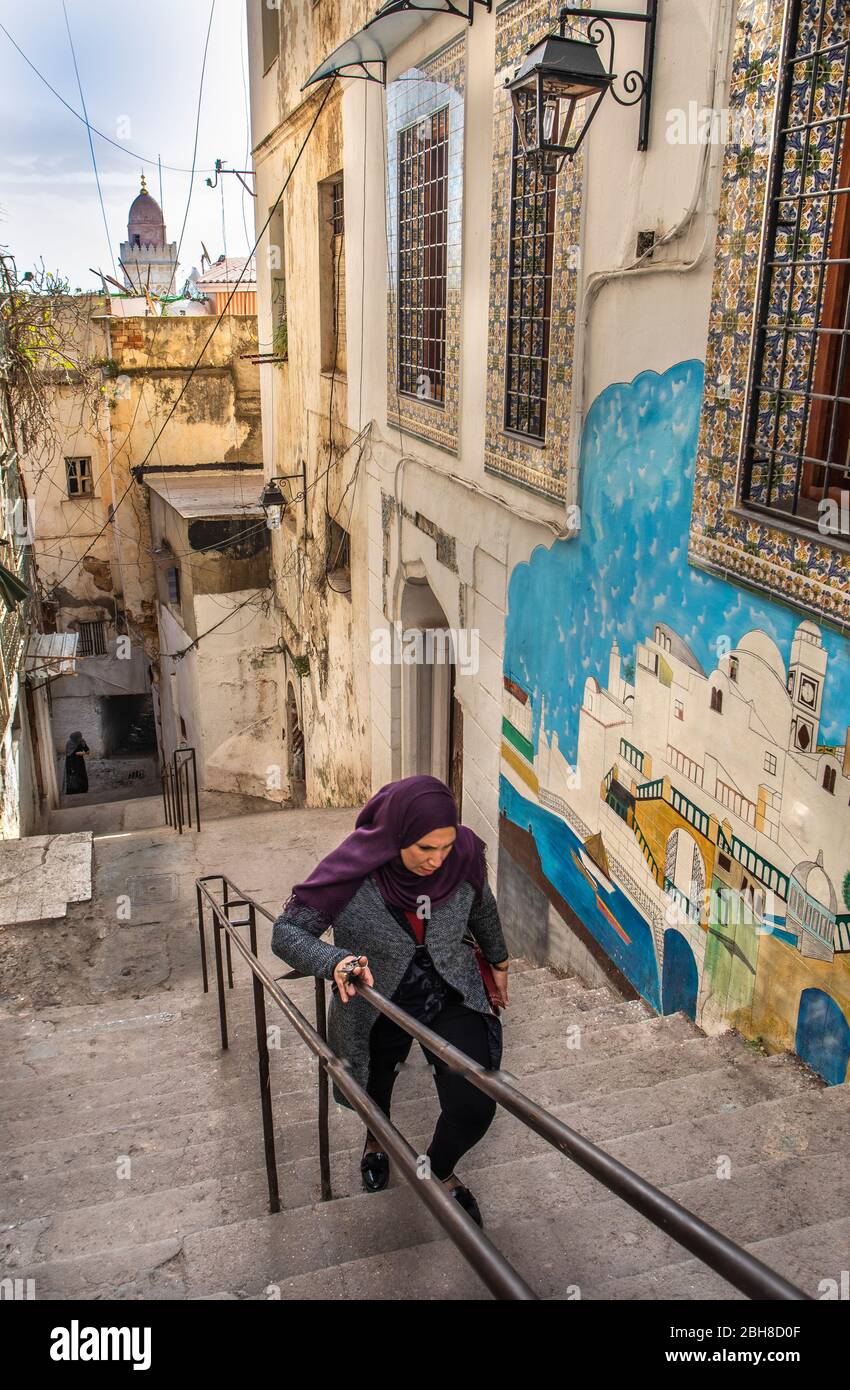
(396, 816)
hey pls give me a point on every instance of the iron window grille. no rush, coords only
(337, 209)
(335, 354)
(532, 236)
(423, 189)
(172, 584)
(78, 477)
(92, 639)
(277, 284)
(796, 454)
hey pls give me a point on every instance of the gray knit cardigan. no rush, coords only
(365, 926)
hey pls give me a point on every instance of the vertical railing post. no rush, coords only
(178, 795)
(197, 798)
(184, 770)
(226, 905)
(203, 935)
(219, 975)
(265, 1077)
(324, 1141)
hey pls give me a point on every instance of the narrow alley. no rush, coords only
(425, 670)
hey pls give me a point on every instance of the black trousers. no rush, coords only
(465, 1112)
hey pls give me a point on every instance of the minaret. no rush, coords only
(148, 259)
(806, 675)
(614, 670)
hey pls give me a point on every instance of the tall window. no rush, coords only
(277, 279)
(332, 273)
(532, 235)
(423, 177)
(797, 431)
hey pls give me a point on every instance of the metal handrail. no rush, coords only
(489, 1263)
(735, 1264)
(177, 813)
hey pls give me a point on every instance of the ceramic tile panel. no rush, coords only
(543, 468)
(799, 568)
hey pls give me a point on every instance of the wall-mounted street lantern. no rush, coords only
(274, 501)
(561, 71)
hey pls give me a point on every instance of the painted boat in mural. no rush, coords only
(595, 860)
(592, 864)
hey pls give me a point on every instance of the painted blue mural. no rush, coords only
(628, 568)
(823, 1035)
(680, 826)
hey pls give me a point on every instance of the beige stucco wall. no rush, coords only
(314, 622)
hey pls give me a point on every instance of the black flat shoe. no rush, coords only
(468, 1202)
(375, 1170)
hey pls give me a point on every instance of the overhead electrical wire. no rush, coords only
(91, 142)
(109, 466)
(198, 105)
(137, 470)
(142, 159)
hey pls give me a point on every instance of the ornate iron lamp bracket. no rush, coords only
(637, 83)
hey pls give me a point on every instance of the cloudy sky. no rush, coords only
(140, 68)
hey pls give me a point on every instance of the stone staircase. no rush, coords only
(133, 1157)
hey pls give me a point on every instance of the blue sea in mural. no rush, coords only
(628, 568)
(555, 841)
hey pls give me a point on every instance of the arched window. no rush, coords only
(717, 699)
(829, 778)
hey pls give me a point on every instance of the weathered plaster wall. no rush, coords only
(304, 409)
(225, 690)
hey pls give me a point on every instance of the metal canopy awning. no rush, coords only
(386, 31)
(51, 653)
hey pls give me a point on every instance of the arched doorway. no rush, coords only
(679, 976)
(432, 717)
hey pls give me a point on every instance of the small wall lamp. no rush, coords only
(560, 71)
(274, 501)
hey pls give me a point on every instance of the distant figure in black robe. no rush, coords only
(76, 776)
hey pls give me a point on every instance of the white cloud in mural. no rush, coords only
(597, 575)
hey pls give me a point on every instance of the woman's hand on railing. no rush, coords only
(342, 976)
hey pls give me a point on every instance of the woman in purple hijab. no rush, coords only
(408, 898)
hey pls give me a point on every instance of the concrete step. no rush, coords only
(624, 1113)
(669, 1153)
(798, 1257)
(37, 1037)
(52, 1132)
(178, 1000)
(372, 1244)
(574, 1247)
(89, 1167)
(163, 1037)
(234, 1074)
